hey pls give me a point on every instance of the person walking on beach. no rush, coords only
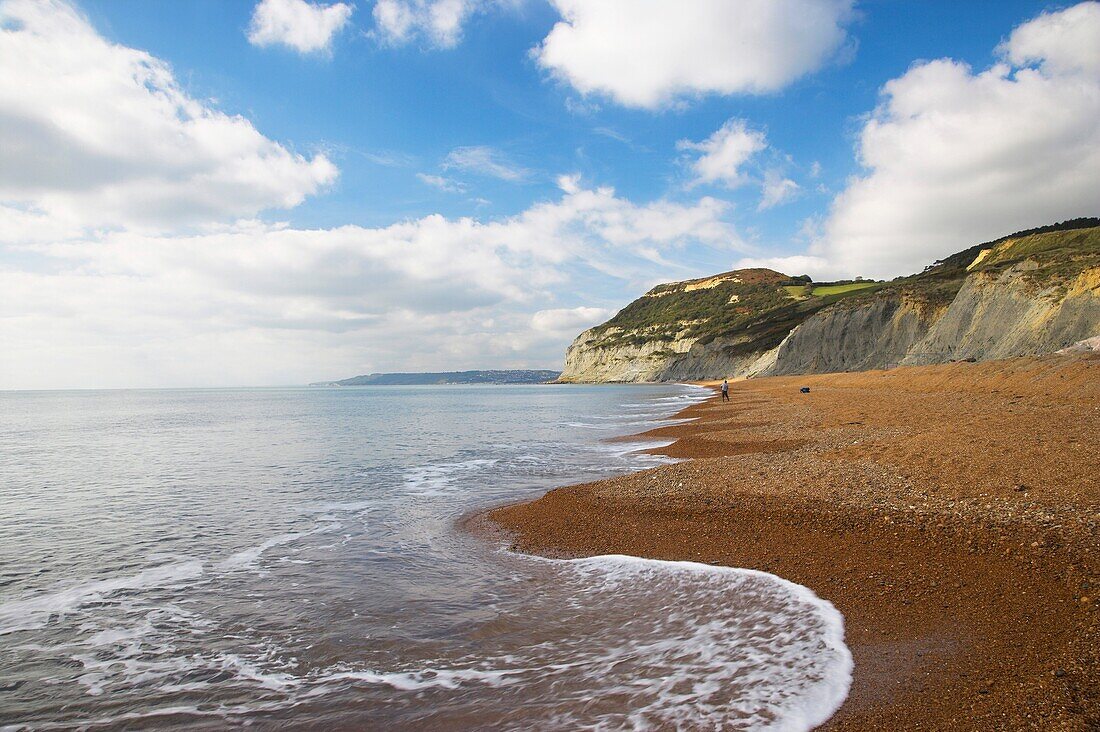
(725, 390)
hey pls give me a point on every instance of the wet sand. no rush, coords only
(951, 513)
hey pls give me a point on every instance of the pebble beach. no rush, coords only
(951, 513)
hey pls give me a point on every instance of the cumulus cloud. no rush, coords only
(485, 160)
(650, 53)
(426, 293)
(954, 157)
(98, 134)
(303, 26)
(724, 153)
(130, 254)
(438, 21)
(776, 190)
(1061, 42)
(799, 264)
(568, 321)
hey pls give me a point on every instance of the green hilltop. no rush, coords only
(767, 304)
(719, 324)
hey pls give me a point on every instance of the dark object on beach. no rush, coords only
(805, 390)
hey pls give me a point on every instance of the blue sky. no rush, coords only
(471, 184)
(411, 105)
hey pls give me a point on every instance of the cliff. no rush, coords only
(1030, 293)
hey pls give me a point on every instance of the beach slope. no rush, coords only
(950, 512)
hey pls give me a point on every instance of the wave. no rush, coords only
(632, 422)
(34, 612)
(773, 643)
(248, 558)
(31, 613)
(433, 480)
(608, 642)
(674, 644)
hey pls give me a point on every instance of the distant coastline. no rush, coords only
(491, 376)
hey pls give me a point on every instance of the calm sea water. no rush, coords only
(289, 558)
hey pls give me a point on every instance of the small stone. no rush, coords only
(1060, 673)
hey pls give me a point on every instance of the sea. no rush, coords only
(293, 558)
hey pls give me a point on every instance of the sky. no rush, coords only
(269, 192)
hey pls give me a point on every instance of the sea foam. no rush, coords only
(643, 644)
(726, 648)
(35, 611)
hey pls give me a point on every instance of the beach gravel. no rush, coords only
(950, 512)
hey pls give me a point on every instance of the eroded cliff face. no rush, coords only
(1001, 315)
(994, 315)
(1019, 296)
(668, 334)
(592, 359)
(874, 335)
(678, 360)
(721, 358)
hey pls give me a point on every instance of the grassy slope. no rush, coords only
(842, 289)
(1059, 255)
(761, 308)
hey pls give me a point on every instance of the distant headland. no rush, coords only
(493, 376)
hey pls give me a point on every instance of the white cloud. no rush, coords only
(652, 53)
(724, 153)
(485, 160)
(18, 226)
(777, 190)
(568, 322)
(799, 264)
(306, 27)
(98, 134)
(1061, 42)
(443, 184)
(260, 303)
(955, 157)
(128, 256)
(439, 21)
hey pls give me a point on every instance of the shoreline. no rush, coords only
(951, 513)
